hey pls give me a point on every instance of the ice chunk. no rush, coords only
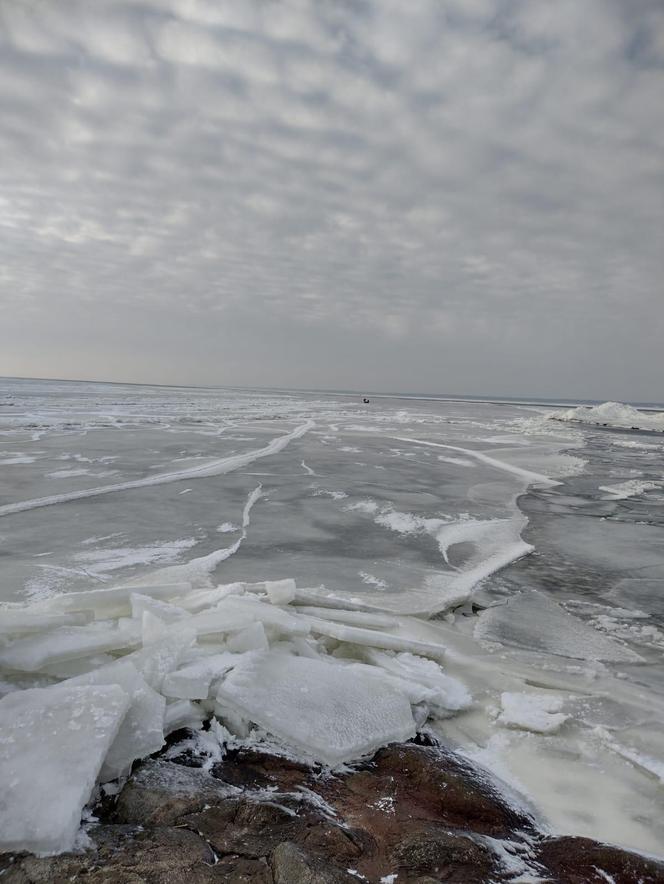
(52, 745)
(198, 599)
(22, 620)
(71, 668)
(447, 693)
(352, 618)
(280, 592)
(167, 613)
(252, 638)
(531, 620)
(192, 682)
(114, 601)
(373, 638)
(142, 731)
(235, 613)
(157, 660)
(532, 712)
(66, 643)
(325, 710)
(182, 713)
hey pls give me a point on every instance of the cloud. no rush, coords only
(444, 196)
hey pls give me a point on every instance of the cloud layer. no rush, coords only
(444, 195)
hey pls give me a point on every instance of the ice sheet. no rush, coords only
(66, 643)
(330, 714)
(192, 682)
(531, 620)
(53, 742)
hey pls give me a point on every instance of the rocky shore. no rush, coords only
(415, 813)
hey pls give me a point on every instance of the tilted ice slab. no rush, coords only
(113, 601)
(53, 742)
(193, 681)
(373, 638)
(142, 731)
(67, 643)
(212, 468)
(446, 693)
(21, 620)
(329, 713)
(535, 622)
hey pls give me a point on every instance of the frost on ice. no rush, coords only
(321, 709)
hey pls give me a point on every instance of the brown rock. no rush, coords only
(292, 865)
(581, 861)
(448, 856)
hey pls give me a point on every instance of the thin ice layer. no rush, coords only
(52, 745)
(531, 620)
(330, 713)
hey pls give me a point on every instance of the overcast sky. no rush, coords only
(412, 195)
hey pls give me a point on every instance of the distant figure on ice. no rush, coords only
(365, 400)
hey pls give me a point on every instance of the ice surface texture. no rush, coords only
(326, 711)
(53, 742)
(533, 621)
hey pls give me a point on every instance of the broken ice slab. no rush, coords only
(535, 622)
(112, 602)
(447, 693)
(193, 681)
(539, 713)
(253, 638)
(182, 713)
(67, 643)
(27, 619)
(373, 620)
(278, 592)
(54, 741)
(238, 612)
(142, 731)
(373, 638)
(167, 612)
(79, 666)
(155, 661)
(330, 712)
(198, 599)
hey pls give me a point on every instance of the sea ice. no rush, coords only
(532, 712)
(113, 601)
(447, 693)
(374, 639)
(23, 620)
(531, 620)
(53, 742)
(253, 638)
(66, 643)
(182, 713)
(159, 659)
(330, 713)
(142, 731)
(193, 681)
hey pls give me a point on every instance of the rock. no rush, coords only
(292, 865)
(581, 861)
(124, 856)
(451, 856)
(160, 793)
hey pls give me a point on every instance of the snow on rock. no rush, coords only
(53, 742)
(331, 714)
(532, 712)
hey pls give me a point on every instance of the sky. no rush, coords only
(461, 196)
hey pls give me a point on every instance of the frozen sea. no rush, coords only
(534, 546)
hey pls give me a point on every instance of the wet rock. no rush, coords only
(581, 861)
(292, 865)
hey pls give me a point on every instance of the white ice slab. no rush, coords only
(29, 619)
(157, 660)
(447, 693)
(66, 643)
(253, 638)
(193, 681)
(52, 745)
(182, 713)
(142, 731)
(373, 638)
(370, 619)
(238, 612)
(324, 710)
(532, 712)
(114, 601)
(166, 611)
(535, 622)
